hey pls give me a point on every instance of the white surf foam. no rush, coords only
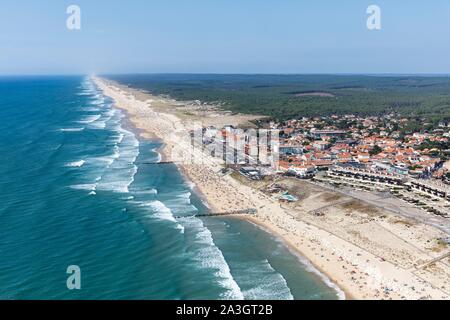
(108, 160)
(205, 203)
(98, 101)
(98, 125)
(118, 169)
(340, 294)
(71, 129)
(118, 138)
(75, 164)
(110, 113)
(161, 212)
(159, 158)
(118, 179)
(181, 204)
(89, 109)
(89, 119)
(89, 186)
(190, 184)
(209, 256)
(271, 284)
(150, 191)
(309, 266)
(114, 186)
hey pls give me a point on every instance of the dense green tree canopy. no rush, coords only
(291, 96)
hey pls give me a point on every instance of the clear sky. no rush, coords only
(224, 36)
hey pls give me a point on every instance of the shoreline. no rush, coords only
(302, 259)
(308, 265)
(341, 293)
(337, 261)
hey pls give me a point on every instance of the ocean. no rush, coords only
(76, 188)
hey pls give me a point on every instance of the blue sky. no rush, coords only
(224, 36)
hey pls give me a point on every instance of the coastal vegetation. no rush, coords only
(425, 100)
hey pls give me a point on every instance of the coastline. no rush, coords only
(302, 259)
(222, 192)
(309, 265)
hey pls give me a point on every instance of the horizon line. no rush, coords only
(229, 73)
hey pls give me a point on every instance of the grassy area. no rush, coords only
(290, 96)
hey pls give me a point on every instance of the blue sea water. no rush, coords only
(76, 189)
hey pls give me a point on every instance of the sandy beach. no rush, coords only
(366, 252)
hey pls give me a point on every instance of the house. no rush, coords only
(344, 157)
(363, 157)
(320, 145)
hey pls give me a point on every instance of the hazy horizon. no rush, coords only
(232, 73)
